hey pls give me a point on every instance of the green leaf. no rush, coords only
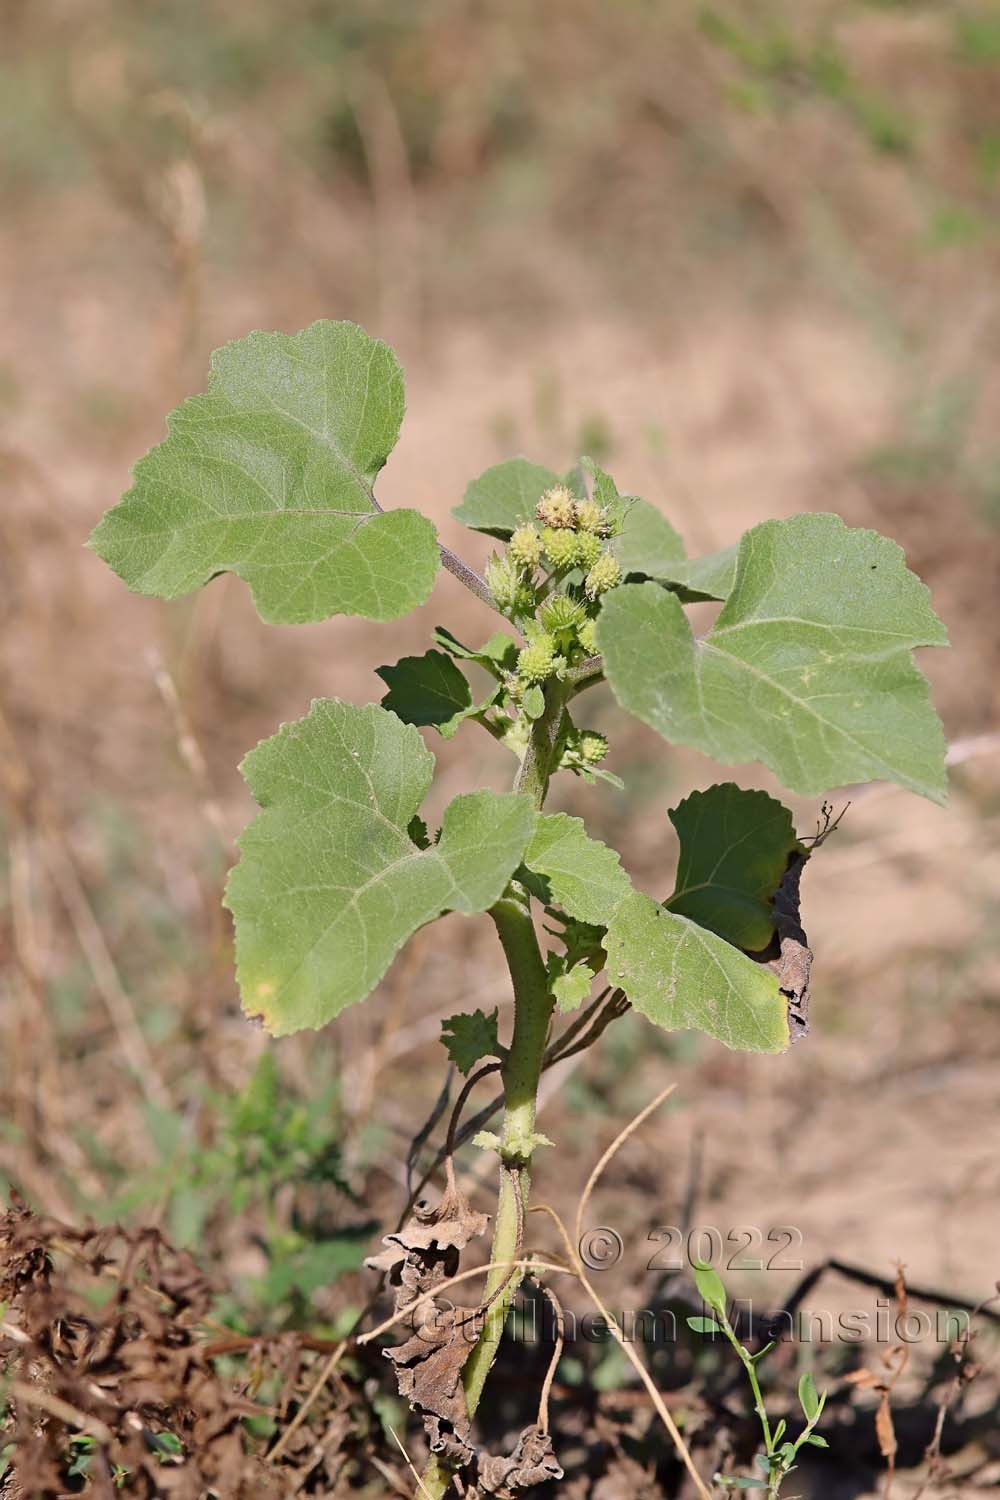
(329, 885)
(710, 1287)
(680, 975)
(807, 668)
(581, 875)
(649, 547)
(817, 1440)
(428, 690)
(734, 850)
(647, 544)
(498, 654)
(572, 987)
(703, 1325)
(504, 496)
(269, 475)
(708, 577)
(808, 1397)
(470, 1037)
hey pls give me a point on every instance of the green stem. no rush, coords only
(522, 1069)
(533, 1006)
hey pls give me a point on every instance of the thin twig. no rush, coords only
(680, 1445)
(550, 1374)
(33, 1395)
(612, 1151)
(472, 580)
(308, 1403)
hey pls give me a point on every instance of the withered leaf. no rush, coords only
(419, 1258)
(532, 1462)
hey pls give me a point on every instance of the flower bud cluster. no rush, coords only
(567, 544)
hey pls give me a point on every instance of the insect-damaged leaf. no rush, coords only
(735, 846)
(504, 496)
(807, 668)
(682, 976)
(269, 475)
(329, 884)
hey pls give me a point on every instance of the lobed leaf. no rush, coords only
(504, 496)
(579, 874)
(269, 475)
(808, 667)
(734, 850)
(682, 976)
(469, 1037)
(330, 884)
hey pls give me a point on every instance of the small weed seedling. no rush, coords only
(778, 1457)
(807, 668)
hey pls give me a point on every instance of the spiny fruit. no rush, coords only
(557, 507)
(588, 549)
(591, 517)
(587, 636)
(560, 613)
(512, 594)
(526, 547)
(593, 746)
(538, 659)
(560, 547)
(604, 575)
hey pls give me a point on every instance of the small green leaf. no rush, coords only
(573, 987)
(427, 689)
(703, 1325)
(499, 654)
(533, 702)
(817, 1440)
(471, 1037)
(807, 668)
(808, 1397)
(580, 874)
(709, 577)
(487, 1140)
(710, 1287)
(734, 850)
(504, 496)
(269, 475)
(329, 884)
(647, 546)
(680, 975)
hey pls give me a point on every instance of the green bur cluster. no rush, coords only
(550, 580)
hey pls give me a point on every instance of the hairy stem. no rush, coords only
(521, 1072)
(533, 1005)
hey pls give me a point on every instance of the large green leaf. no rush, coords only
(734, 850)
(579, 874)
(504, 496)
(807, 668)
(329, 884)
(681, 976)
(269, 475)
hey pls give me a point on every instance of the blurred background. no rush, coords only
(746, 255)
